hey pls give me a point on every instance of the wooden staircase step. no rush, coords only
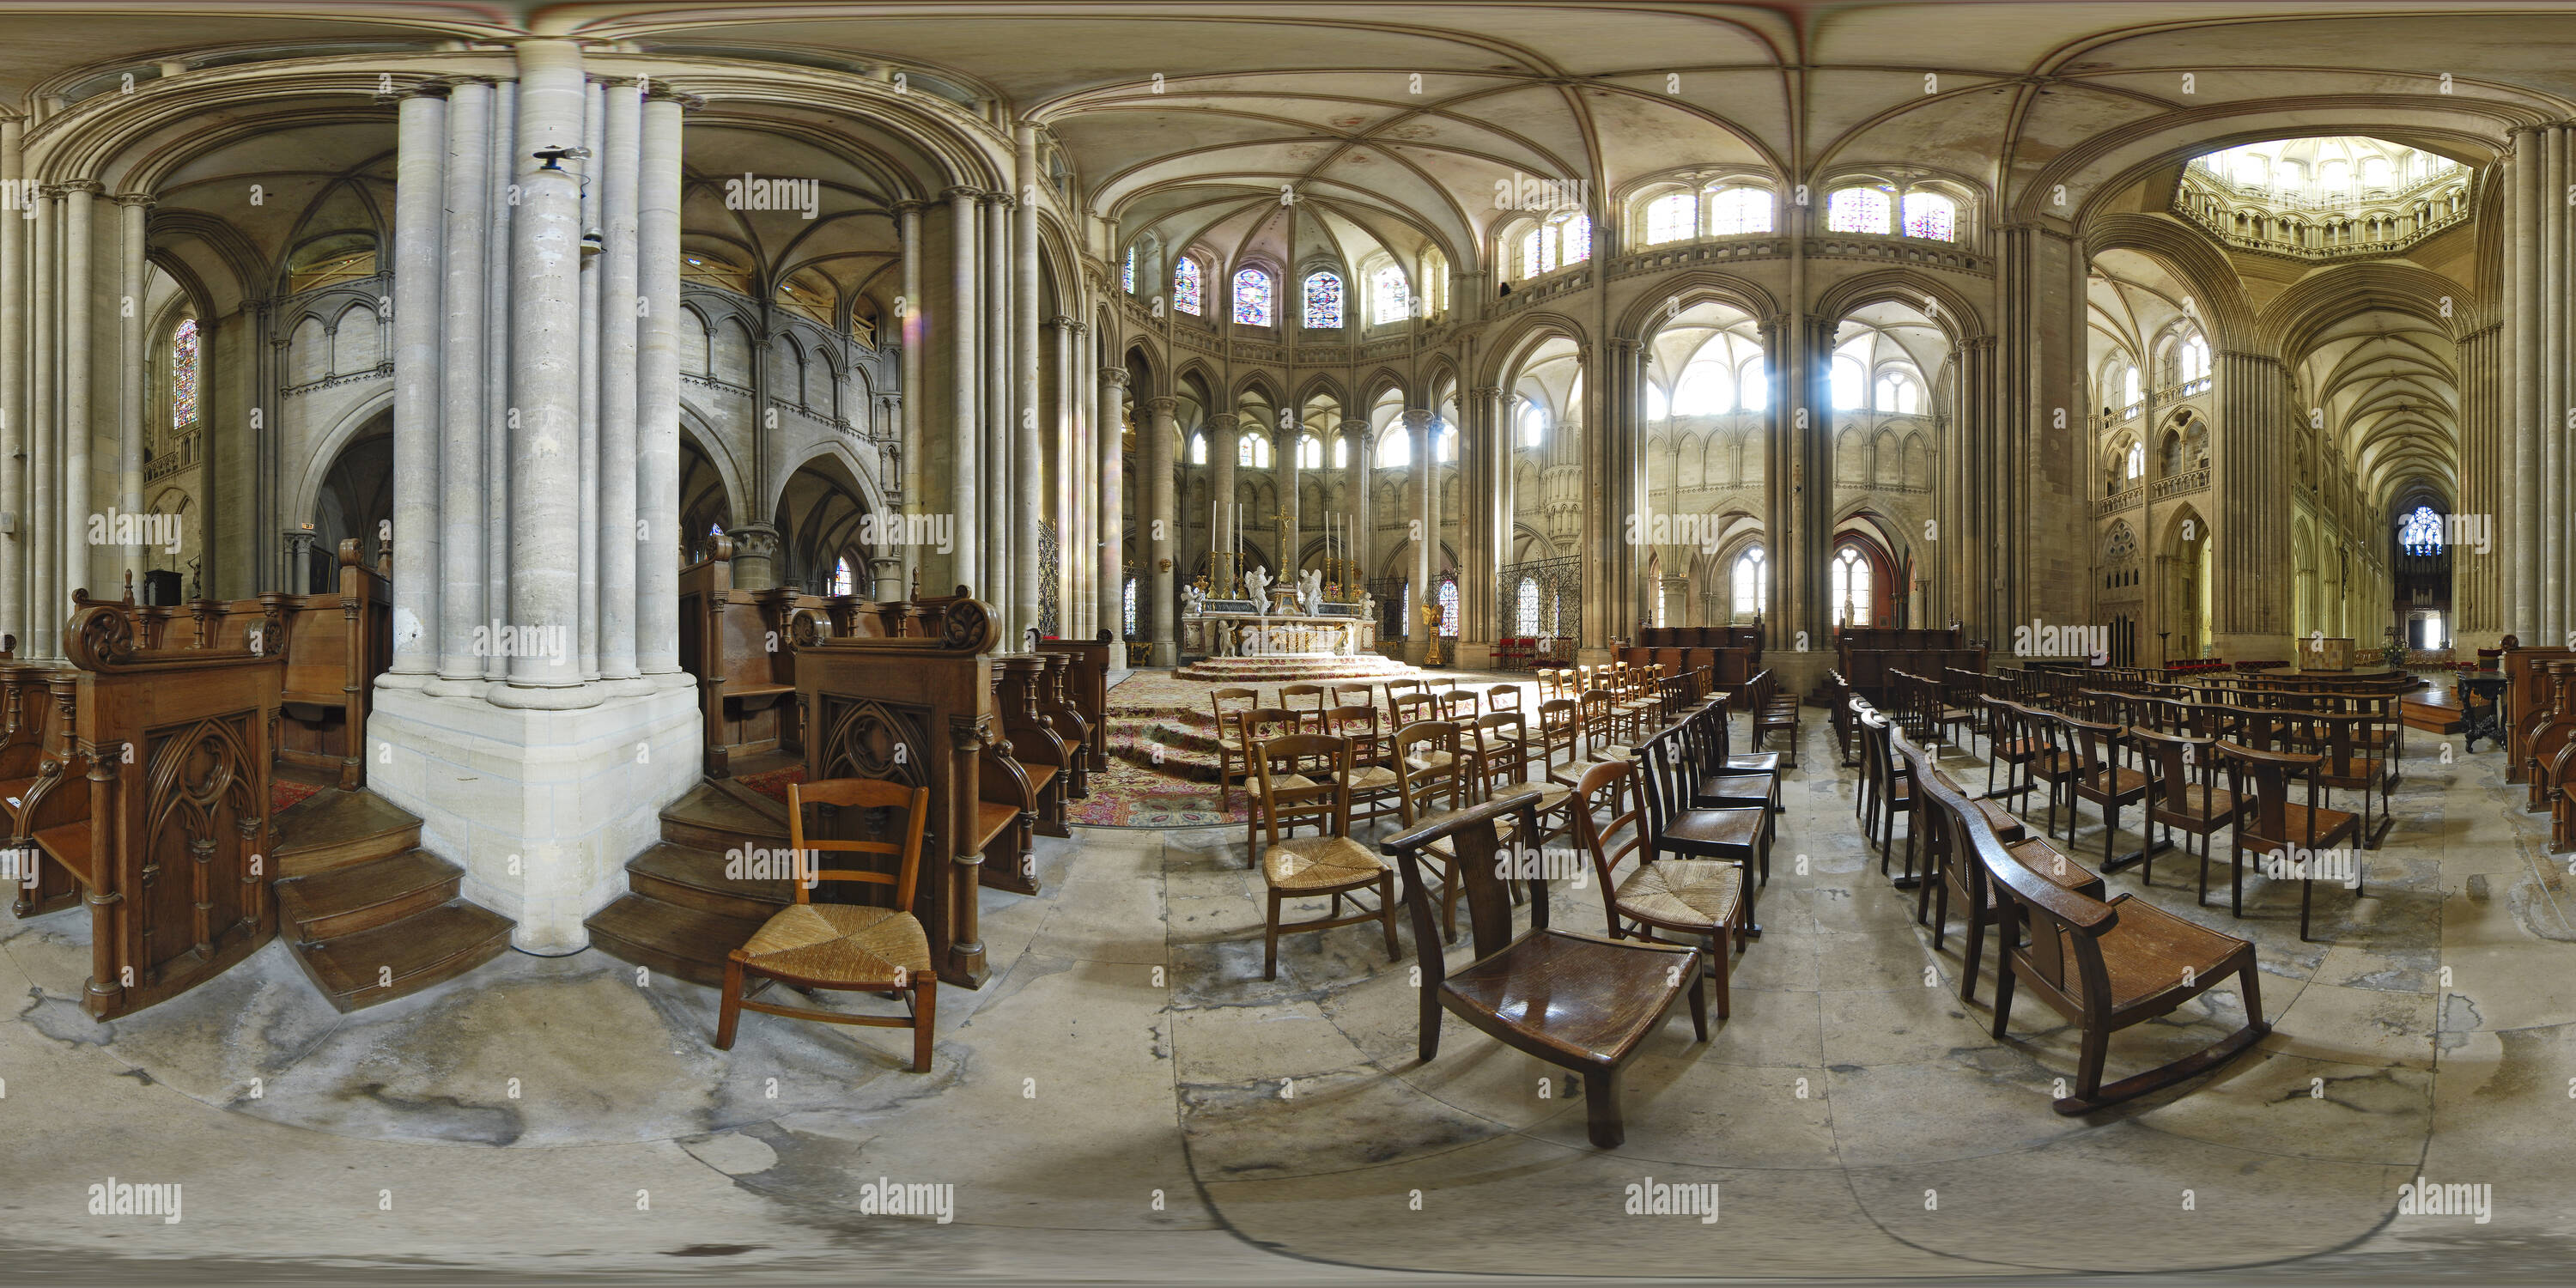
(405, 956)
(690, 943)
(694, 878)
(336, 828)
(363, 896)
(721, 815)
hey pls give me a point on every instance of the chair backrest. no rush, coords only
(1476, 839)
(1657, 767)
(1603, 841)
(1508, 753)
(1217, 699)
(1354, 694)
(1503, 697)
(1266, 722)
(2178, 762)
(1325, 798)
(1600, 709)
(862, 793)
(2097, 744)
(1289, 695)
(1418, 788)
(2065, 925)
(1456, 704)
(1358, 721)
(2268, 774)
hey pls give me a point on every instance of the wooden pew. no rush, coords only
(161, 809)
(909, 699)
(1086, 685)
(2548, 737)
(2527, 695)
(37, 734)
(734, 642)
(1032, 739)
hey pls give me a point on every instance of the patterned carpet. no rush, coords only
(774, 783)
(285, 794)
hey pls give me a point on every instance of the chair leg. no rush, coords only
(2202, 899)
(1723, 952)
(925, 1014)
(1699, 1004)
(2096, 1047)
(2003, 981)
(1973, 950)
(731, 1012)
(1386, 914)
(1270, 940)
(2307, 888)
(1601, 1108)
(2110, 824)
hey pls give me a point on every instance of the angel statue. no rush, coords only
(1259, 580)
(1311, 589)
(1196, 594)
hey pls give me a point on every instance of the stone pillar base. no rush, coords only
(2279, 648)
(1475, 655)
(541, 808)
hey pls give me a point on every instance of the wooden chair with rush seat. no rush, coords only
(1305, 778)
(844, 946)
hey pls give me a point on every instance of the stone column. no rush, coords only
(80, 300)
(1291, 525)
(620, 282)
(1675, 602)
(1113, 516)
(1028, 461)
(907, 216)
(2250, 482)
(545, 389)
(1162, 530)
(462, 450)
(1223, 428)
(1425, 532)
(13, 383)
(1360, 471)
(1614, 445)
(1001, 425)
(134, 209)
(965, 438)
(657, 402)
(587, 171)
(1486, 454)
(46, 597)
(420, 167)
(2550, 598)
(2477, 575)
(502, 205)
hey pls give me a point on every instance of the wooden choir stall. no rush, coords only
(1867, 656)
(1730, 653)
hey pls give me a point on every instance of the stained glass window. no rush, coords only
(1127, 273)
(1393, 301)
(183, 374)
(1574, 240)
(1127, 609)
(1732, 211)
(1185, 286)
(1449, 606)
(1929, 214)
(1323, 301)
(841, 582)
(1310, 453)
(1252, 297)
(1534, 253)
(1528, 606)
(1671, 217)
(2420, 533)
(1857, 210)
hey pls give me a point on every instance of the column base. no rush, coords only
(541, 807)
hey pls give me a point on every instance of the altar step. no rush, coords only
(336, 829)
(682, 912)
(372, 931)
(1273, 670)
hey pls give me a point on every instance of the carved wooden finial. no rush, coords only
(129, 585)
(349, 557)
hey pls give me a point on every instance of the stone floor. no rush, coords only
(1128, 1100)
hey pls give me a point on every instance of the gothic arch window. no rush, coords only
(183, 373)
(2420, 532)
(1526, 606)
(1323, 306)
(1198, 449)
(1857, 210)
(1533, 423)
(1850, 389)
(1707, 388)
(1753, 385)
(1127, 272)
(1252, 451)
(1671, 217)
(1554, 244)
(1390, 300)
(1341, 451)
(1897, 393)
(1394, 449)
(1252, 297)
(1849, 576)
(2137, 461)
(1449, 606)
(1752, 588)
(1188, 281)
(1127, 609)
(842, 582)
(2129, 396)
(1445, 443)
(1733, 212)
(1310, 452)
(1931, 215)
